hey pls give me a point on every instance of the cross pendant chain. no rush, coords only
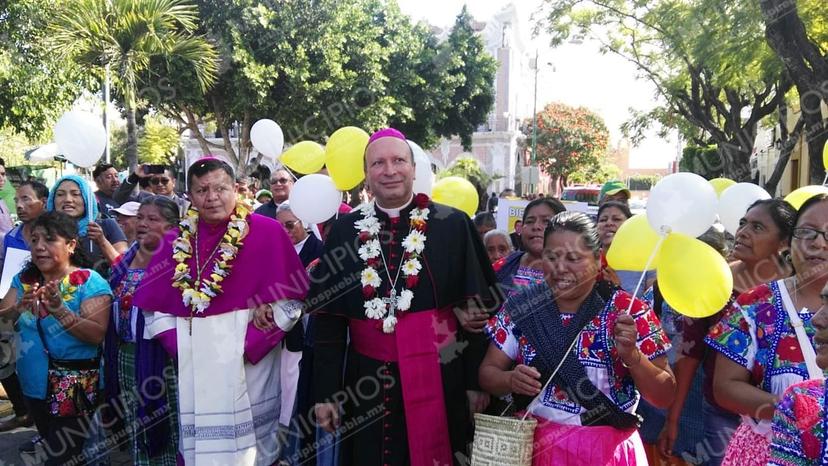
(391, 302)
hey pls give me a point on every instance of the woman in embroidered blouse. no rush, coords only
(759, 351)
(801, 419)
(523, 268)
(133, 363)
(621, 354)
(611, 215)
(762, 244)
(54, 299)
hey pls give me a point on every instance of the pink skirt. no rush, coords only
(747, 448)
(562, 445)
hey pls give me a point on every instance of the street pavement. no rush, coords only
(11, 440)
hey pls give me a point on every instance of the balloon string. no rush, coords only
(644, 272)
(89, 216)
(825, 180)
(555, 372)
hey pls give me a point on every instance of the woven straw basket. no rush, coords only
(502, 441)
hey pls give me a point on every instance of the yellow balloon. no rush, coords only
(344, 155)
(720, 184)
(305, 157)
(694, 279)
(633, 245)
(798, 197)
(825, 155)
(456, 192)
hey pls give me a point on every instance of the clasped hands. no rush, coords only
(44, 300)
(282, 314)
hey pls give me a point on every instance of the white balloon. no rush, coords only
(734, 203)
(423, 176)
(81, 138)
(314, 199)
(683, 203)
(267, 138)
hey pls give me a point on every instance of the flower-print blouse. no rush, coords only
(799, 426)
(596, 351)
(759, 336)
(124, 312)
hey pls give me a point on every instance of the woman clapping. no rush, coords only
(61, 312)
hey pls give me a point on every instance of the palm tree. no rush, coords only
(125, 35)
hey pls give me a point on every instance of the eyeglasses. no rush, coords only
(159, 180)
(290, 224)
(809, 234)
(280, 181)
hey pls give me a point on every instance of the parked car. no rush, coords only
(588, 194)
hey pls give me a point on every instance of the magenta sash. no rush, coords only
(415, 345)
(556, 444)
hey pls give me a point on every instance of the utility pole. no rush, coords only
(107, 155)
(535, 114)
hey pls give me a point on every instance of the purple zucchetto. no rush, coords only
(387, 133)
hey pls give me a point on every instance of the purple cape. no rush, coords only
(266, 269)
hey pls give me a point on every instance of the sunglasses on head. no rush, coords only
(159, 180)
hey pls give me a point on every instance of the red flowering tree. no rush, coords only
(569, 140)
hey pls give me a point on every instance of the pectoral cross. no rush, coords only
(391, 302)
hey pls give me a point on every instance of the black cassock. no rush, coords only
(456, 273)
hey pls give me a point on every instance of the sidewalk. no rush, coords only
(11, 440)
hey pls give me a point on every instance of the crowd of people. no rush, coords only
(216, 327)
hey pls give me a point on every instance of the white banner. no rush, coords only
(508, 212)
(12, 265)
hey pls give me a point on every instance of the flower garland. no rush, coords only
(197, 293)
(370, 252)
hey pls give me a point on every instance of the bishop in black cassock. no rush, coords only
(402, 394)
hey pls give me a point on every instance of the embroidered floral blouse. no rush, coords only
(761, 339)
(799, 426)
(124, 312)
(596, 351)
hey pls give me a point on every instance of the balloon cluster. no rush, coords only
(316, 198)
(694, 279)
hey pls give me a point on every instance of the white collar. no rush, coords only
(298, 246)
(394, 213)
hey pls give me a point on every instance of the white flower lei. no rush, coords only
(370, 252)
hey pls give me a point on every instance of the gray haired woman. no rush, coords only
(498, 245)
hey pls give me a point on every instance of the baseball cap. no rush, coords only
(130, 209)
(614, 187)
(263, 192)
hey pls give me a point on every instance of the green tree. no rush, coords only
(125, 35)
(703, 161)
(605, 171)
(470, 169)
(35, 86)
(13, 147)
(797, 32)
(317, 66)
(706, 58)
(158, 141)
(569, 140)
(471, 73)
